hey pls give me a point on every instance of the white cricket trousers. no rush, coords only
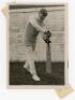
(30, 59)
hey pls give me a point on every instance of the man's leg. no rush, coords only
(30, 61)
(26, 66)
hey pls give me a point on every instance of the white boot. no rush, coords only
(35, 77)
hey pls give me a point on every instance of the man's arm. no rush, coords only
(35, 24)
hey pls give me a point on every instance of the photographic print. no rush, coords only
(37, 45)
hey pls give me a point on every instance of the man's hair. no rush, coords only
(43, 11)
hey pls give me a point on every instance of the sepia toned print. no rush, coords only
(37, 45)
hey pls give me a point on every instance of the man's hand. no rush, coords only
(46, 36)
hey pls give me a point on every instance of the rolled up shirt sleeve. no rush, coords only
(35, 24)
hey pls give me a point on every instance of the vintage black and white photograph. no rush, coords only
(37, 45)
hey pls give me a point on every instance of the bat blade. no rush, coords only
(48, 62)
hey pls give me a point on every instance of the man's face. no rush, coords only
(42, 17)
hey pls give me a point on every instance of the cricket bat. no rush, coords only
(48, 59)
(46, 38)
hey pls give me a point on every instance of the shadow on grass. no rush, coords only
(20, 76)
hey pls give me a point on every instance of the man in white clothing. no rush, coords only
(34, 27)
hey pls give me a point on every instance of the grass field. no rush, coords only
(20, 76)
